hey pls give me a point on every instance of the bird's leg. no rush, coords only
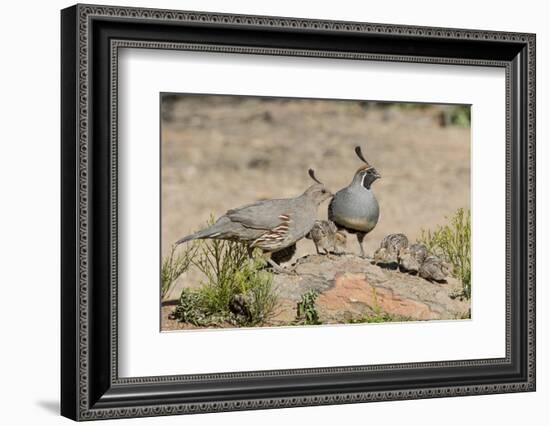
(360, 238)
(277, 268)
(331, 254)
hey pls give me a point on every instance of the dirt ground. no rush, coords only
(223, 152)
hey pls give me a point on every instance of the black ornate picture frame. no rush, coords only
(91, 387)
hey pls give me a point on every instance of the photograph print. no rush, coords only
(280, 212)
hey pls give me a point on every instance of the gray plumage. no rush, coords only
(389, 249)
(355, 208)
(434, 269)
(326, 237)
(412, 257)
(270, 225)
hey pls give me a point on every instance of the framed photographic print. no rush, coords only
(263, 212)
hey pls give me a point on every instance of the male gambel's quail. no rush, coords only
(412, 257)
(355, 208)
(326, 237)
(389, 249)
(434, 269)
(270, 225)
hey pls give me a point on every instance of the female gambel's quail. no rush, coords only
(434, 269)
(389, 249)
(410, 258)
(326, 237)
(355, 208)
(270, 225)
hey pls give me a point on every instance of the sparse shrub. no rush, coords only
(236, 288)
(229, 271)
(221, 262)
(306, 312)
(173, 266)
(263, 301)
(452, 243)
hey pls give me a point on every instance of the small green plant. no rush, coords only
(306, 312)
(452, 243)
(175, 265)
(235, 289)
(190, 308)
(377, 317)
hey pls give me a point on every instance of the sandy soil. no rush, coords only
(223, 152)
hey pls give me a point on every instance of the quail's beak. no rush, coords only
(377, 175)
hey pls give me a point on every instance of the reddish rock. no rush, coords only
(350, 288)
(353, 293)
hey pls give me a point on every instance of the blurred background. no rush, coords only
(221, 152)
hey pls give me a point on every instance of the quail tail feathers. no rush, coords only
(224, 228)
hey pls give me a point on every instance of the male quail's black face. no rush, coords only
(369, 176)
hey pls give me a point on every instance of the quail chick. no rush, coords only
(434, 269)
(270, 225)
(411, 257)
(239, 304)
(340, 241)
(389, 249)
(381, 256)
(326, 237)
(355, 208)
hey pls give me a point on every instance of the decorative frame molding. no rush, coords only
(91, 37)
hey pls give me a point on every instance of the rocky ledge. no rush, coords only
(350, 288)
